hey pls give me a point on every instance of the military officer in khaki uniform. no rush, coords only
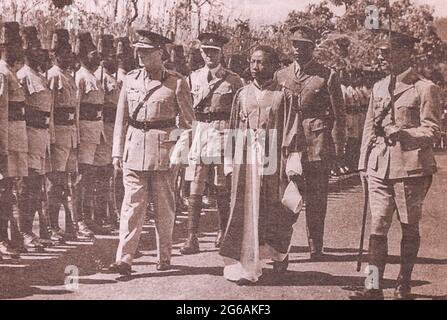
(145, 132)
(213, 88)
(17, 145)
(397, 157)
(38, 115)
(91, 128)
(320, 102)
(64, 134)
(103, 155)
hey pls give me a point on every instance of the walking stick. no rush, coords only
(365, 213)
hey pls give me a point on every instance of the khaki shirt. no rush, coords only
(149, 150)
(320, 101)
(208, 138)
(65, 95)
(90, 91)
(17, 137)
(111, 96)
(417, 115)
(38, 97)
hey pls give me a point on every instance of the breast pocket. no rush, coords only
(223, 97)
(408, 115)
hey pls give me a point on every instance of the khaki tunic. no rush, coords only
(320, 101)
(39, 98)
(112, 89)
(208, 141)
(17, 136)
(90, 91)
(149, 150)
(417, 112)
(65, 138)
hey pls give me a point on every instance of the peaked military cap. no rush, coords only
(149, 40)
(84, 44)
(304, 33)
(10, 34)
(30, 38)
(397, 39)
(212, 40)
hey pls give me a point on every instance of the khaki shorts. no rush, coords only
(207, 173)
(41, 165)
(405, 196)
(87, 151)
(63, 158)
(103, 154)
(17, 164)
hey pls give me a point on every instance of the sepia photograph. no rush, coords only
(250, 151)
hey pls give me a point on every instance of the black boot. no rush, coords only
(191, 245)
(378, 252)
(409, 248)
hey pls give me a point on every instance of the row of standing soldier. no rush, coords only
(56, 135)
(59, 125)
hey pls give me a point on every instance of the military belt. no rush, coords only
(37, 119)
(91, 112)
(307, 114)
(64, 116)
(148, 125)
(212, 116)
(16, 110)
(109, 114)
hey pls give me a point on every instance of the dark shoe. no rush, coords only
(402, 292)
(219, 239)
(84, 231)
(122, 268)
(163, 266)
(57, 235)
(47, 243)
(97, 228)
(32, 243)
(368, 294)
(7, 250)
(244, 282)
(70, 235)
(191, 246)
(280, 267)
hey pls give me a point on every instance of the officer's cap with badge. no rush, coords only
(302, 33)
(212, 41)
(150, 40)
(396, 40)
